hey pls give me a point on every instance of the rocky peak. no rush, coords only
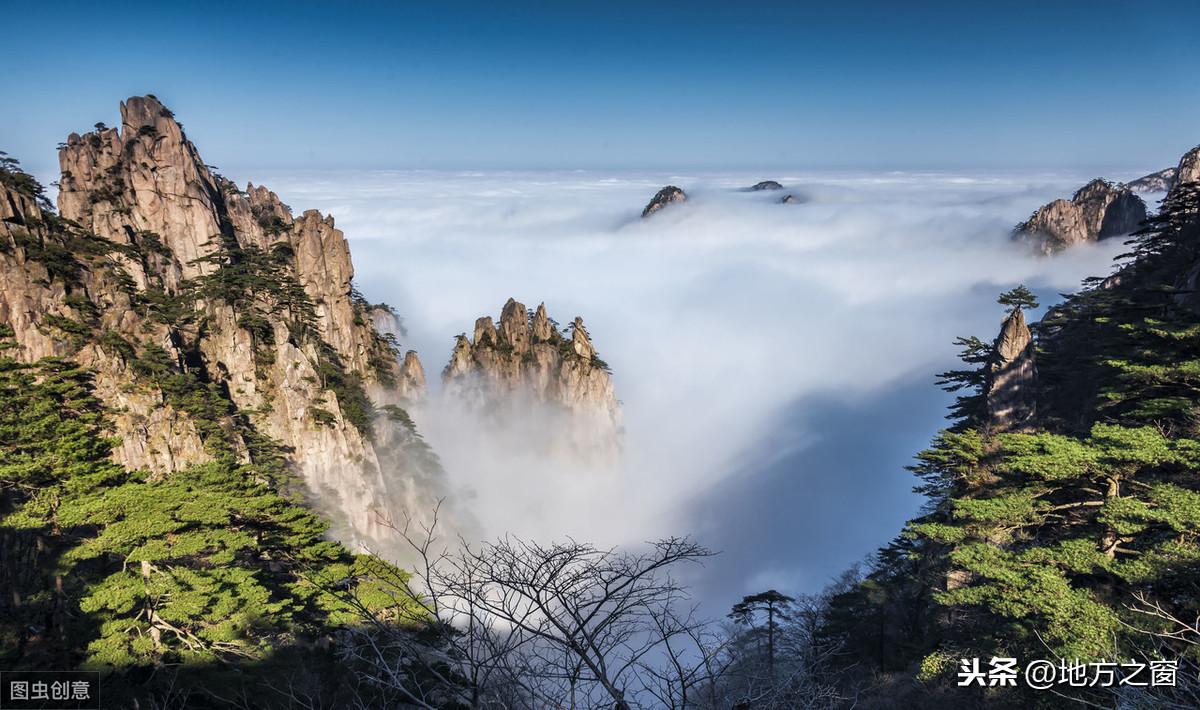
(223, 290)
(412, 377)
(1011, 386)
(541, 328)
(1098, 210)
(1109, 210)
(145, 178)
(667, 196)
(580, 342)
(514, 327)
(528, 362)
(765, 185)
(485, 332)
(1189, 167)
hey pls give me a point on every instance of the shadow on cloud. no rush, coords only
(774, 361)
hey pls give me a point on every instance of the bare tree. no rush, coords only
(513, 624)
(1169, 636)
(589, 618)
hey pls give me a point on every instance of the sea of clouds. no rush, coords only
(775, 362)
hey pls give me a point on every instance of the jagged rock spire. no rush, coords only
(526, 361)
(514, 327)
(580, 342)
(299, 356)
(542, 329)
(1189, 167)
(1011, 395)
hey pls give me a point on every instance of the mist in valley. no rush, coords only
(775, 362)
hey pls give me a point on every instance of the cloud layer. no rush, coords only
(744, 335)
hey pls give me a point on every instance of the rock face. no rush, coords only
(1012, 387)
(1161, 181)
(764, 185)
(664, 197)
(180, 280)
(1188, 170)
(1189, 167)
(1098, 210)
(525, 362)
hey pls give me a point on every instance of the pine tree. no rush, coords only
(118, 570)
(1019, 297)
(778, 609)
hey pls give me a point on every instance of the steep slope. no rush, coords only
(1063, 518)
(149, 530)
(1189, 167)
(1159, 181)
(169, 281)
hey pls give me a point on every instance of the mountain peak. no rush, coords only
(669, 195)
(1098, 210)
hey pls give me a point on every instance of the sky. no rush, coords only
(476, 151)
(532, 85)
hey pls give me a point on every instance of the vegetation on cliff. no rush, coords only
(172, 584)
(1059, 536)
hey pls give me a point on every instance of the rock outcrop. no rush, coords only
(215, 322)
(1011, 391)
(1098, 210)
(667, 196)
(764, 185)
(1164, 180)
(1189, 167)
(1161, 181)
(526, 362)
(790, 199)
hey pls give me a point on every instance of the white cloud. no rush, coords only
(717, 316)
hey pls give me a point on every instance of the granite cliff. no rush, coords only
(1188, 169)
(1098, 210)
(215, 322)
(1012, 374)
(525, 361)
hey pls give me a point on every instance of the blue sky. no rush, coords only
(621, 85)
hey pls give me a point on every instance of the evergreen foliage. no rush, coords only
(12, 176)
(118, 570)
(1035, 542)
(1019, 297)
(165, 582)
